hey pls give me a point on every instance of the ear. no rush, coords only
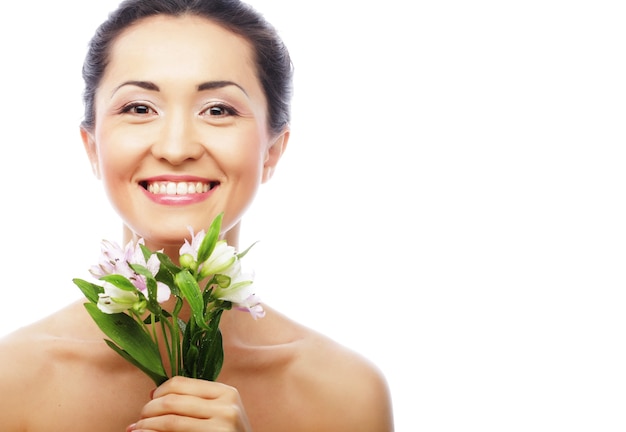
(274, 153)
(92, 151)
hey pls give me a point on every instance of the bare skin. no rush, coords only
(288, 378)
(164, 114)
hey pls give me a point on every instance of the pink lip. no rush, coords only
(177, 200)
(176, 178)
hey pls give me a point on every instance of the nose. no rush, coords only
(178, 140)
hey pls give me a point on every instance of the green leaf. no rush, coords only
(166, 273)
(167, 263)
(163, 313)
(243, 254)
(90, 290)
(151, 284)
(191, 291)
(130, 336)
(211, 356)
(205, 352)
(142, 270)
(157, 378)
(190, 362)
(188, 331)
(147, 253)
(119, 281)
(182, 325)
(208, 243)
(153, 303)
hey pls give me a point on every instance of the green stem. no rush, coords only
(154, 332)
(177, 336)
(165, 327)
(137, 318)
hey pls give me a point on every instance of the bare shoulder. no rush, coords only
(22, 373)
(351, 389)
(332, 388)
(50, 370)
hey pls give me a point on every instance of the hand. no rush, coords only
(190, 405)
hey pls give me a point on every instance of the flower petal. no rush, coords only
(163, 292)
(252, 305)
(115, 300)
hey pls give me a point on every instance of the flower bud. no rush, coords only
(140, 306)
(187, 261)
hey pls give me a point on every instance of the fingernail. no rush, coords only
(131, 428)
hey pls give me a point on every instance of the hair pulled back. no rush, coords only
(273, 63)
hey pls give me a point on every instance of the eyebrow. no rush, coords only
(147, 85)
(209, 85)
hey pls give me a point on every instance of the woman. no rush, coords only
(182, 93)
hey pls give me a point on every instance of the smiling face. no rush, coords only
(181, 128)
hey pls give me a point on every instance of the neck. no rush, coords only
(232, 235)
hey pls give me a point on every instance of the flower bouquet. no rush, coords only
(136, 281)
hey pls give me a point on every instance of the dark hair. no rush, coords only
(274, 67)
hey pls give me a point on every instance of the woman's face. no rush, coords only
(181, 128)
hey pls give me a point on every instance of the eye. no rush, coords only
(138, 109)
(219, 110)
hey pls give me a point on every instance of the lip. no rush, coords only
(176, 178)
(175, 199)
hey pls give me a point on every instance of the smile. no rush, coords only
(177, 188)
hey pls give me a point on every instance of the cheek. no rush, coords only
(118, 151)
(242, 154)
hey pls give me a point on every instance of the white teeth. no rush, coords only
(177, 188)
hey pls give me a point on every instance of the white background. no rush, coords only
(451, 204)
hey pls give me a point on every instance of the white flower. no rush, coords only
(116, 300)
(222, 257)
(240, 287)
(252, 305)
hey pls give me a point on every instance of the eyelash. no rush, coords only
(227, 110)
(128, 108)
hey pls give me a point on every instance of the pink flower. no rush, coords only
(191, 248)
(153, 264)
(115, 260)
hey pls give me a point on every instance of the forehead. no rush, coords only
(181, 48)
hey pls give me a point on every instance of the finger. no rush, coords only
(171, 423)
(175, 423)
(182, 405)
(200, 388)
(186, 412)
